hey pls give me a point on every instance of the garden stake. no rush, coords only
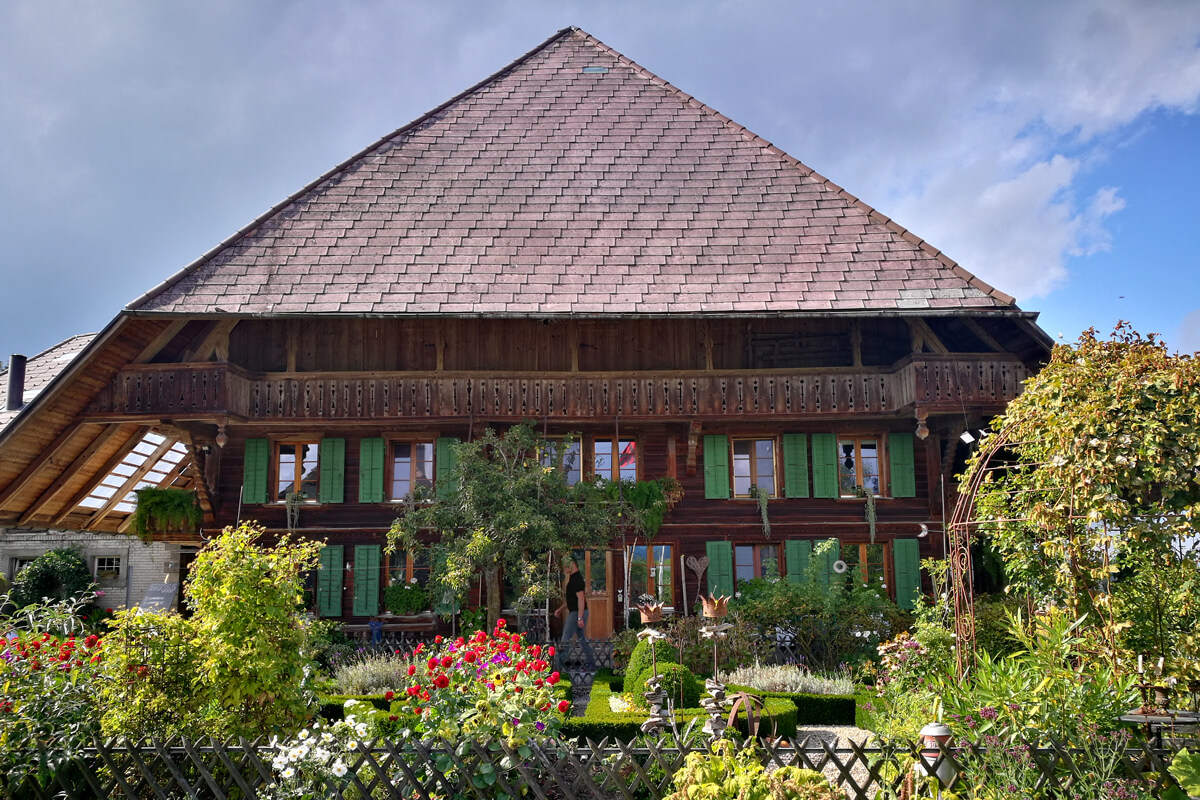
(716, 704)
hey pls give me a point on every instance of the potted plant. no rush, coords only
(405, 599)
(165, 511)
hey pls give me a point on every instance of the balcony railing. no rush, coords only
(935, 383)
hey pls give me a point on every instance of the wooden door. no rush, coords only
(596, 566)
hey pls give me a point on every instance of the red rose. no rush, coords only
(388, 695)
(563, 705)
(413, 691)
(441, 681)
(553, 678)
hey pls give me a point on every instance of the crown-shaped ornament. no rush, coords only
(715, 607)
(651, 612)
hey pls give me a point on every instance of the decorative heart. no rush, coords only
(697, 565)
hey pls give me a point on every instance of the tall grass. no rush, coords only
(370, 673)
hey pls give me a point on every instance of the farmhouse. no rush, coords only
(573, 241)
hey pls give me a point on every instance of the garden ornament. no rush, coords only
(697, 566)
(716, 706)
(749, 702)
(651, 612)
(936, 738)
(840, 566)
(715, 607)
(656, 698)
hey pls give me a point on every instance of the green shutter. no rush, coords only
(370, 470)
(825, 573)
(795, 464)
(824, 465)
(797, 552)
(900, 456)
(444, 462)
(716, 467)
(254, 471)
(906, 560)
(720, 568)
(366, 580)
(332, 454)
(329, 582)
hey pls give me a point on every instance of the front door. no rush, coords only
(596, 566)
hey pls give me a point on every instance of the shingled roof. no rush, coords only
(41, 369)
(572, 182)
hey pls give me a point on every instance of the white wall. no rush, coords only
(141, 564)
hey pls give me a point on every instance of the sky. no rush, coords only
(1053, 149)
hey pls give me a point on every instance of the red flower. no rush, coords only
(447, 661)
(500, 623)
(538, 682)
(459, 641)
(470, 657)
(536, 650)
(420, 647)
(553, 678)
(517, 689)
(550, 651)
(418, 710)
(432, 664)
(389, 695)
(425, 696)
(441, 681)
(412, 669)
(563, 705)
(413, 691)
(437, 639)
(392, 718)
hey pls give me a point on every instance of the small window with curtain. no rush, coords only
(753, 467)
(752, 561)
(615, 459)
(297, 470)
(858, 467)
(410, 467)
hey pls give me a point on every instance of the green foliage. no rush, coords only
(812, 709)
(684, 645)
(993, 631)
(373, 674)
(1185, 768)
(246, 600)
(676, 680)
(1099, 508)
(405, 598)
(646, 503)
(729, 773)
(500, 509)
(639, 659)
(164, 511)
(59, 574)
(150, 668)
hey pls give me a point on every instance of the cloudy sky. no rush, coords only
(1051, 148)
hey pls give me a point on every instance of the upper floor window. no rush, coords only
(615, 459)
(858, 466)
(753, 466)
(566, 456)
(411, 467)
(298, 468)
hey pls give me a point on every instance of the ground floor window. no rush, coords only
(408, 565)
(868, 563)
(107, 568)
(651, 573)
(755, 561)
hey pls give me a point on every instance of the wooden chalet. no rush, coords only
(577, 242)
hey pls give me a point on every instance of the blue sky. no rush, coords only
(1051, 148)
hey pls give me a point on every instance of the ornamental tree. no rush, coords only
(1090, 487)
(503, 510)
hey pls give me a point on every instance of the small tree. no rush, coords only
(502, 509)
(1097, 503)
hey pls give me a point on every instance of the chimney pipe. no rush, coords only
(16, 383)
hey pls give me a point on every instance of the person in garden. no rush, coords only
(575, 607)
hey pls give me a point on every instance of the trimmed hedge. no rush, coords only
(600, 720)
(678, 682)
(812, 709)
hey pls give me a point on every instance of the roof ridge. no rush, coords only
(873, 214)
(282, 204)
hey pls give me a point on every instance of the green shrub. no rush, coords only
(60, 574)
(639, 659)
(729, 773)
(405, 598)
(677, 681)
(811, 709)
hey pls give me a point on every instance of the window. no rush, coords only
(858, 467)
(593, 564)
(405, 566)
(298, 467)
(19, 563)
(107, 568)
(615, 460)
(650, 572)
(755, 561)
(566, 456)
(753, 466)
(868, 563)
(412, 467)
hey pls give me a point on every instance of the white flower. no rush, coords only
(414, 580)
(361, 729)
(280, 761)
(339, 769)
(321, 754)
(326, 737)
(289, 772)
(302, 735)
(351, 745)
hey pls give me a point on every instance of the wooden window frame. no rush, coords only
(857, 439)
(409, 568)
(554, 458)
(774, 440)
(888, 568)
(274, 468)
(652, 564)
(615, 467)
(756, 565)
(389, 465)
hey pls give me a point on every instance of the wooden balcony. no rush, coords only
(208, 390)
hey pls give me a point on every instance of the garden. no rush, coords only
(1078, 676)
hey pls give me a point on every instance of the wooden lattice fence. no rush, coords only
(549, 771)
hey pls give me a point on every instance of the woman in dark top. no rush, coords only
(575, 607)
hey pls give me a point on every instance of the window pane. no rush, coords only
(287, 470)
(401, 470)
(638, 573)
(598, 580)
(310, 468)
(602, 462)
(628, 461)
(870, 466)
(662, 574)
(743, 559)
(743, 478)
(420, 568)
(768, 557)
(398, 567)
(847, 469)
(424, 464)
(568, 458)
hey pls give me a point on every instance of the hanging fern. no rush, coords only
(762, 496)
(165, 510)
(870, 514)
(652, 500)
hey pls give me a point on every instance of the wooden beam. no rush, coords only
(293, 343)
(929, 336)
(201, 468)
(856, 342)
(159, 342)
(35, 467)
(130, 482)
(672, 465)
(64, 477)
(217, 340)
(983, 335)
(113, 460)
